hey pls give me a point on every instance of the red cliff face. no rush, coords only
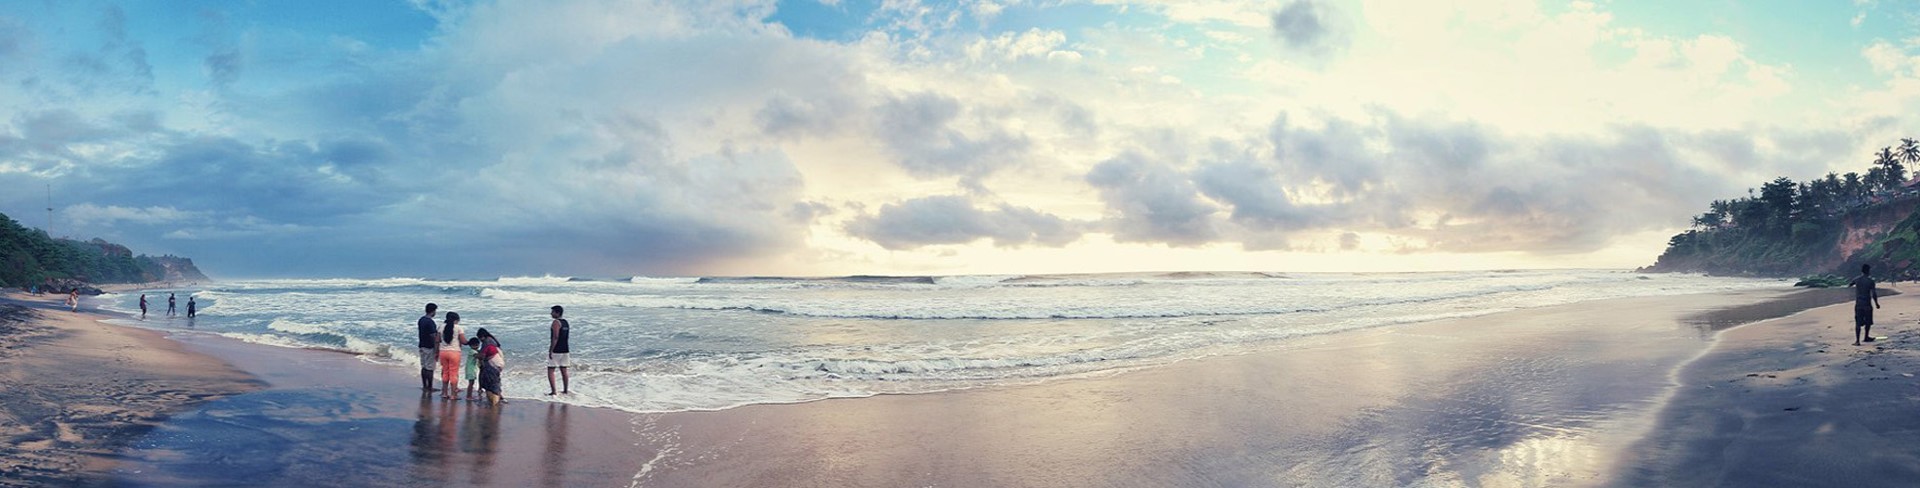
(1866, 227)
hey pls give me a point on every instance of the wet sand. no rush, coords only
(1543, 397)
(1792, 402)
(332, 419)
(77, 391)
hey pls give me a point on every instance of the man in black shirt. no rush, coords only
(1863, 295)
(429, 347)
(559, 351)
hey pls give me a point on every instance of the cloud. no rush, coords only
(1150, 201)
(920, 128)
(1446, 185)
(1310, 26)
(90, 214)
(955, 220)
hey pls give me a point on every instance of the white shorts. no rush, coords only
(559, 360)
(429, 357)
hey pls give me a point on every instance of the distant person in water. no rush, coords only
(558, 352)
(1864, 294)
(429, 344)
(452, 337)
(171, 311)
(192, 309)
(73, 300)
(492, 362)
(143, 306)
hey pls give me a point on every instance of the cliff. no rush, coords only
(31, 257)
(1884, 233)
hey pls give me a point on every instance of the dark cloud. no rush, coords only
(1255, 193)
(955, 220)
(1150, 201)
(1335, 154)
(14, 37)
(1310, 26)
(919, 130)
(223, 67)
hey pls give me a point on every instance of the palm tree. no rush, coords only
(1891, 174)
(1909, 150)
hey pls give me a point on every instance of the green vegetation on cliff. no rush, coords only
(1795, 228)
(30, 256)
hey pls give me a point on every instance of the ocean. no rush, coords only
(660, 344)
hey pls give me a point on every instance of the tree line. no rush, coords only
(1784, 201)
(29, 256)
(1788, 227)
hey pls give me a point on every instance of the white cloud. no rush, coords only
(90, 214)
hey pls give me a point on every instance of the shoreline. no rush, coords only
(82, 390)
(1792, 401)
(323, 411)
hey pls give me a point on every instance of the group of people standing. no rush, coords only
(448, 349)
(193, 309)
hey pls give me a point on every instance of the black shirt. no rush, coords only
(429, 332)
(1863, 290)
(560, 343)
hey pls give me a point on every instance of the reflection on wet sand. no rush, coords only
(446, 430)
(551, 469)
(334, 420)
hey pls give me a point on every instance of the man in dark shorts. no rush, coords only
(559, 351)
(429, 347)
(170, 309)
(1864, 294)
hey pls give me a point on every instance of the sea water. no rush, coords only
(654, 344)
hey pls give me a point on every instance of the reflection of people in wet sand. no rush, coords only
(554, 465)
(1864, 294)
(480, 437)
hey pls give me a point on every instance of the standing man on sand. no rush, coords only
(1863, 294)
(558, 350)
(429, 347)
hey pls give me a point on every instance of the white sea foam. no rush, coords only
(665, 344)
(534, 280)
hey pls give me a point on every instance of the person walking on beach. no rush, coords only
(451, 338)
(192, 309)
(429, 347)
(558, 350)
(143, 306)
(1864, 294)
(170, 310)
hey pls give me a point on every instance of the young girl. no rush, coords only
(492, 361)
(471, 371)
(451, 338)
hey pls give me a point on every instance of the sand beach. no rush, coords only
(1724, 389)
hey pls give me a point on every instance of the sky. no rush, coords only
(432, 138)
